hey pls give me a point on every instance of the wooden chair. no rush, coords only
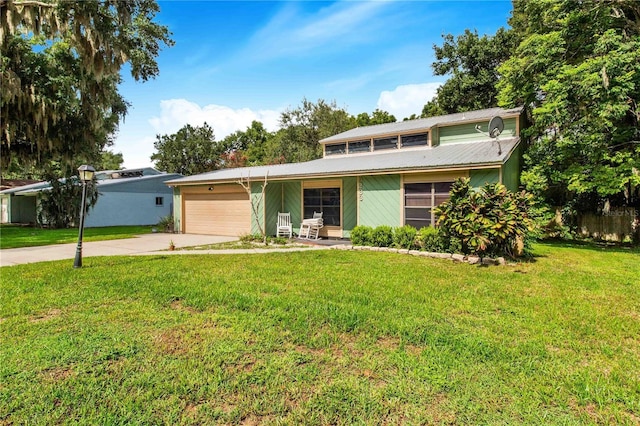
(284, 227)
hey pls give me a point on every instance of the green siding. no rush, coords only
(292, 203)
(177, 209)
(511, 171)
(257, 206)
(481, 177)
(380, 203)
(349, 205)
(274, 205)
(468, 133)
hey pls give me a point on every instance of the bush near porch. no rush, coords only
(490, 221)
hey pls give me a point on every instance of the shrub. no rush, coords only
(59, 207)
(430, 239)
(405, 237)
(279, 240)
(361, 236)
(491, 221)
(249, 238)
(166, 224)
(382, 236)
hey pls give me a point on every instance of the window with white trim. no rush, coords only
(335, 149)
(421, 139)
(359, 146)
(385, 143)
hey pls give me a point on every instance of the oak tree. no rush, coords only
(60, 67)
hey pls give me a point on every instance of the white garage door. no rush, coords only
(227, 213)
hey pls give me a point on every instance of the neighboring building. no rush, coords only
(388, 174)
(127, 197)
(14, 183)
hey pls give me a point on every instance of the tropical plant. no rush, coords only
(167, 224)
(489, 221)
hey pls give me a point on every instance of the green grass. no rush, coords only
(323, 337)
(12, 236)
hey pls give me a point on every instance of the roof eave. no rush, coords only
(483, 165)
(514, 113)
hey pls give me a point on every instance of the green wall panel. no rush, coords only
(292, 203)
(511, 170)
(481, 177)
(468, 133)
(258, 206)
(380, 203)
(177, 209)
(274, 205)
(349, 205)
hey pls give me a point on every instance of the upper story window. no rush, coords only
(335, 149)
(359, 146)
(421, 139)
(159, 201)
(385, 143)
(379, 144)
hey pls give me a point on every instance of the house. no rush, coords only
(388, 174)
(127, 197)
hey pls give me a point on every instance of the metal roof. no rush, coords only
(101, 184)
(452, 155)
(410, 126)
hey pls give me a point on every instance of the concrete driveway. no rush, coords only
(141, 244)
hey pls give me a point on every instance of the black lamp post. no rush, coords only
(86, 175)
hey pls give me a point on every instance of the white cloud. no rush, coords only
(136, 139)
(407, 99)
(342, 24)
(176, 113)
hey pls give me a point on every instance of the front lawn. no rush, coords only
(14, 236)
(323, 337)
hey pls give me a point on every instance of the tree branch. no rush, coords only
(29, 3)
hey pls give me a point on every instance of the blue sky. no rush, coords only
(234, 62)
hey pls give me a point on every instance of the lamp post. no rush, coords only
(86, 175)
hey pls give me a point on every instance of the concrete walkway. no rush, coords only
(143, 244)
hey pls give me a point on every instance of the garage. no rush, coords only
(221, 210)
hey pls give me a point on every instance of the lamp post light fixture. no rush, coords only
(86, 175)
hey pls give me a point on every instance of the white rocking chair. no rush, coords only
(284, 225)
(310, 228)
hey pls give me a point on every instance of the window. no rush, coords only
(335, 149)
(420, 199)
(385, 143)
(414, 140)
(159, 201)
(325, 200)
(359, 146)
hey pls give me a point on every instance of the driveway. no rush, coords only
(141, 244)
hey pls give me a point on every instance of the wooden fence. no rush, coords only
(616, 225)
